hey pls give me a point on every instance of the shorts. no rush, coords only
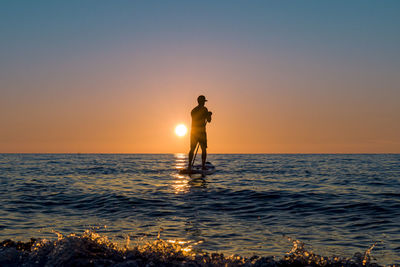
(199, 137)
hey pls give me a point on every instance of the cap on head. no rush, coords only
(201, 99)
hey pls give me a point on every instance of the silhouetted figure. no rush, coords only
(198, 135)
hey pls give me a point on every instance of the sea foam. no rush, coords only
(93, 249)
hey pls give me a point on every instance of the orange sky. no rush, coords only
(272, 89)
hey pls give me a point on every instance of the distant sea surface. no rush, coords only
(254, 204)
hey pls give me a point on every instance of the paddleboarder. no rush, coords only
(200, 117)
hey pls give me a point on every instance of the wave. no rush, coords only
(93, 249)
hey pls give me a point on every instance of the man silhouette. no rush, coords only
(200, 117)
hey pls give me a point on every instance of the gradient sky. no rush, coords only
(280, 76)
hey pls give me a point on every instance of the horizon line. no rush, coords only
(230, 153)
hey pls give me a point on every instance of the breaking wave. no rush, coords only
(93, 249)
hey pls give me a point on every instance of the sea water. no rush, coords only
(255, 204)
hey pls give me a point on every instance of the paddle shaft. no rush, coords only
(194, 157)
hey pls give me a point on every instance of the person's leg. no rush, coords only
(203, 156)
(203, 144)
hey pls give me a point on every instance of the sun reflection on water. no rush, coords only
(183, 183)
(180, 182)
(180, 161)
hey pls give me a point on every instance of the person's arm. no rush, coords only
(209, 113)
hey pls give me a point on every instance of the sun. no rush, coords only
(180, 130)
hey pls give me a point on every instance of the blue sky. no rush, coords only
(341, 57)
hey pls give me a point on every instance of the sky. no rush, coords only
(280, 76)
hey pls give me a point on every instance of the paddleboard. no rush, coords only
(196, 169)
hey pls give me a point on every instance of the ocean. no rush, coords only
(255, 204)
